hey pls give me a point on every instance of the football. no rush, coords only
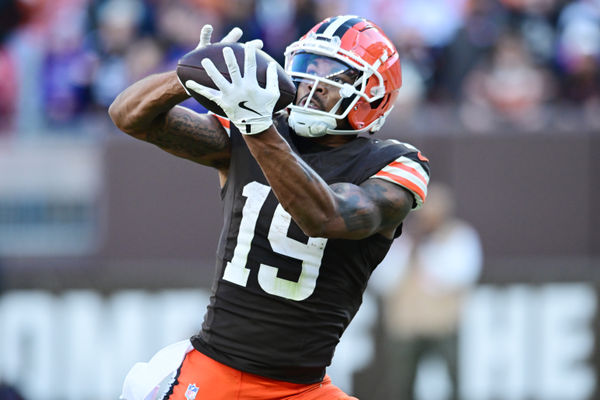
(190, 68)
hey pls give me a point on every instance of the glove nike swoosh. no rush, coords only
(242, 104)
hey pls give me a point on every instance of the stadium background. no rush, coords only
(106, 244)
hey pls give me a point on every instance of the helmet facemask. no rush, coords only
(319, 63)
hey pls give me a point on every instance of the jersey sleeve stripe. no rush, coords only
(402, 165)
(420, 193)
(225, 123)
(403, 177)
(411, 162)
(409, 173)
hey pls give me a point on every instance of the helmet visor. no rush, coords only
(321, 66)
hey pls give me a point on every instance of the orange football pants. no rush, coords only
(202, 378)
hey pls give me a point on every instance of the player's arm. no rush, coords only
(340, 210)
(147, 110)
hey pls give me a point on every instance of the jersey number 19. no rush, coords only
(309, 253)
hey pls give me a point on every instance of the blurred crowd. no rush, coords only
(476, 65)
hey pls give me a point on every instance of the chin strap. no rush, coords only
(377, 124)
(307, 125)
(310, 125)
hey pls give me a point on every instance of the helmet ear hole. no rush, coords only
(346, 102)
(382, 101)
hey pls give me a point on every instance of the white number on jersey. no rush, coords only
(309, 253)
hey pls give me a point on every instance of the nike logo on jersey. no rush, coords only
(242, 104)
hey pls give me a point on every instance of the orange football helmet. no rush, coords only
(355, 47)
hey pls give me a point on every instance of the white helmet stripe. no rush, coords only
(333, 26)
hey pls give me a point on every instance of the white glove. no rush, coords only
(232, 37)
(246, 104)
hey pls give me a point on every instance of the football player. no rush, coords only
(310, 206)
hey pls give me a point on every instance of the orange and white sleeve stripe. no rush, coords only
(223, 121)
(409, 174)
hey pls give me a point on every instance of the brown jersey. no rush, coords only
(280, 299)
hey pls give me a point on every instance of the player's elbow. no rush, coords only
(332, 227)
(314, 229)
(117, 114)
(313, 225)
(313, 221)
(123, 118)
(352, 224)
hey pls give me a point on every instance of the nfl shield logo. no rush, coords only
(191, 392)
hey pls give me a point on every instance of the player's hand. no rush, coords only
(232, 37)
(246, 104)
